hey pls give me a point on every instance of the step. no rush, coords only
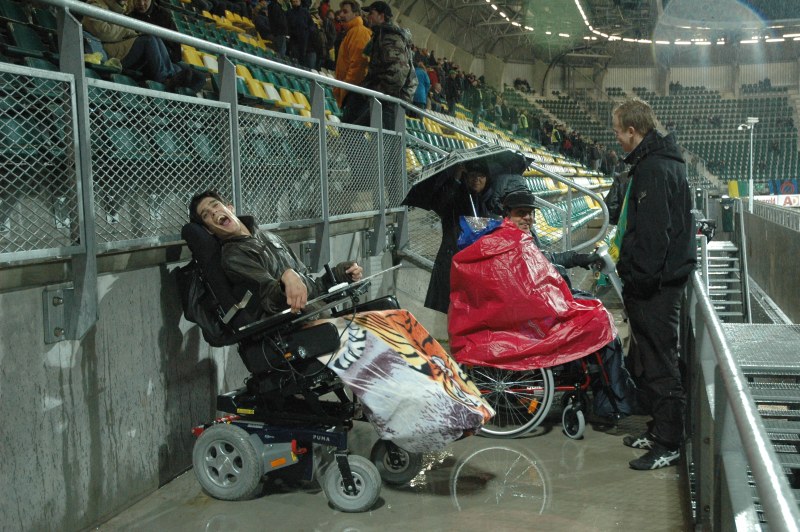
(716, 245)
(780, 426)
(714, 270)
(716, 291)
(775, 395)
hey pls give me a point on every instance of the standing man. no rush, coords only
(278, 27)
(390, 70)
(656, 255)
(351, 65)
(300, 25)
(452, 92)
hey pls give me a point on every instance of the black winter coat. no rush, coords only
(658, 247)
(450, 199)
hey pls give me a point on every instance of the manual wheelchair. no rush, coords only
(293, 410)
(522, 399)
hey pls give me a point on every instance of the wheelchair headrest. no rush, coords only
(207, 252)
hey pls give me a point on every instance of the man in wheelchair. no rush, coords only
(411, 391)
(260, 259)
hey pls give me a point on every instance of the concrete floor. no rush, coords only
(544, 481)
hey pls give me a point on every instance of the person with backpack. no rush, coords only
(390, 70)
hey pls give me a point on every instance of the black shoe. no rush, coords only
(656, 458)
(642, 441)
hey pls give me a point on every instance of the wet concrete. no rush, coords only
(544, 481)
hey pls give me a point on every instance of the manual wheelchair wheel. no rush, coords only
(396, 466)
(520, 399)
(226, 464)
(367, 481)
(573, 421)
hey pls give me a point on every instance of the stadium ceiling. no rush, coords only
(545, 30)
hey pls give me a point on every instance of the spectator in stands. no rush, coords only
(150, 12)
(452, 91)
(473, 98)
(437, 100)
(513, 119)
(260, 258)
(390, 70)
(522, 123)
(329, 29)
(323, 9)
(278, 27)
(351, 65)
(260, 15)
(656, 254)
(423, 86)
(299, 22)
(315, 52)
(140, 52)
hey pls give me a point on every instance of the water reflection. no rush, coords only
(500, 475)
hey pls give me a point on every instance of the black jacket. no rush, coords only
(450, 199)
(158, 16)
(258, 261)
(658, 246)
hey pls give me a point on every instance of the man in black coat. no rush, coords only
(657, 255)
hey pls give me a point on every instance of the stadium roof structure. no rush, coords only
(546, 30)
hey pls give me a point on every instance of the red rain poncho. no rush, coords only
(510, 308)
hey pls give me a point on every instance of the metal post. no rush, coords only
(750, 201)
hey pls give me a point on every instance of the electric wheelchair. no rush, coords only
(292, 410)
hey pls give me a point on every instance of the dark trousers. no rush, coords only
(653, 361)
(356, 110)
(150, 55)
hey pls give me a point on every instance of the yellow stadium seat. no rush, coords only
(191, 56)
(300, 98)
(244, 72)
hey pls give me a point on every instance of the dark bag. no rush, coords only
(200, 306)
(620, 384)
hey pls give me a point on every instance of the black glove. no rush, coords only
(585, 260)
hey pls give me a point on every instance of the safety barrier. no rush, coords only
(727, 435)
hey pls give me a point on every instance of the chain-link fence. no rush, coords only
(393, 169)
(150, 152)
(352, 170)
(39, 204)
(280, 163)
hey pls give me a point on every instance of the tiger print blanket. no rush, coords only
(412, 391)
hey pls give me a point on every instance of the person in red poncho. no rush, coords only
(510, 307)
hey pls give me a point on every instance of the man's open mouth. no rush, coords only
(223, 220)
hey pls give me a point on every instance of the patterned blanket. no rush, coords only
(412, 391)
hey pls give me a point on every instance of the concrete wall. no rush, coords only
(772, 254)
(92, 426)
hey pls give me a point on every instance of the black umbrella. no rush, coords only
(497, 160)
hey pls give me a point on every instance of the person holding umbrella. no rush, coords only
(474, 188)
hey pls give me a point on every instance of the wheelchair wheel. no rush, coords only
(367, 481)
(396, 466)
(573, 422)
(520, 399)
(226, 463)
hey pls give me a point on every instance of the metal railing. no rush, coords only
(727, 435)
(783, 216)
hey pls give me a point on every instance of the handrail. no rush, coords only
(743, 269)
(600, 200)
(81, 8)
(773, 489)
(84, 9)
